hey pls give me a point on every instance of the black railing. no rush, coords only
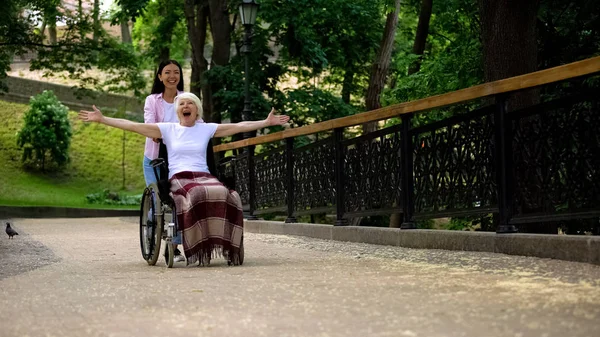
(539, 165)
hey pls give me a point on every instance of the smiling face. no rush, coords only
(187, 112)
(170, 76)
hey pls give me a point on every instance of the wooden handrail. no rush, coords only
(556, 74)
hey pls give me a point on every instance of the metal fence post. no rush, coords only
(289, 155)
(408, 187)
(502, 130)
(251, 183)
(338, 137)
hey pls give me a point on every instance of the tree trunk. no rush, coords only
(167, 34)
(43, 29)
(96, 20)
(52, 31)
(50, 22)
(125, 33)
(196, 16)
(395, 220)
(379, 71)
(347, 85)
(421, 36)
(80, 14)
(220, 28)
(508, 29)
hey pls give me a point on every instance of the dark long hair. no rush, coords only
(158, 86)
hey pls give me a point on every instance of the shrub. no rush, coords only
(106, 197)
(46, 131)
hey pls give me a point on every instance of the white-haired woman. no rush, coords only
(209, 214)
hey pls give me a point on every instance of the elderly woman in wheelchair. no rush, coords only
(192, 201)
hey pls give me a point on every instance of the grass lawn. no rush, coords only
(101, 158)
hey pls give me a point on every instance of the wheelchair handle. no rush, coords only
(157, 162)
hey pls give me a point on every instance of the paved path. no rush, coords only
(87, 279)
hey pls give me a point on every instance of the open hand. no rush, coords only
(91, 116)
(274, 119)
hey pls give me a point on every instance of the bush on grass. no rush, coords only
(106, 197)
(46, 133)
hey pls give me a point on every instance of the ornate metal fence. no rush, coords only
(537, 165)
(555, 160)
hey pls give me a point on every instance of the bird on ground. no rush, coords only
(11, 232)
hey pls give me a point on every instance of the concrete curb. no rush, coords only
(37, 212)
(560, 247)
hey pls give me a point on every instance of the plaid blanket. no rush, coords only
(209, 215)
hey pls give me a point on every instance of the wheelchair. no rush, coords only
(158, 215)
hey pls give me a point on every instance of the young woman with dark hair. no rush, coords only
(159, 107)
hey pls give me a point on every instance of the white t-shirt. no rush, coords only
(186, 146)
(169, 113)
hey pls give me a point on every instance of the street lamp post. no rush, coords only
(248, 10)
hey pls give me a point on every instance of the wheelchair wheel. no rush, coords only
(151, 225)
(169, 255)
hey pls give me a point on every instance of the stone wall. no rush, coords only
(20, 90)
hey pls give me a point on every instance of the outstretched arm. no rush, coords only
(148, 130)
(224, 130)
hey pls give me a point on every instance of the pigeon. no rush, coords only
(11, 232)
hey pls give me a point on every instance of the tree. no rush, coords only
(508, 30)
(332, 40)
(74, 53)
(452, 58)
(422, 32)
(568, 31)
(128, 10)
(17, 29)
(220, 29)
(46, 131)
(196, 15)
(96, 17)
(379, 70)
(159, 28)
(50, 12)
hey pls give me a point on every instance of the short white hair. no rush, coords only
(191, 97)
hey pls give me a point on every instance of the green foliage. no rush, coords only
(129, 9)
(568, 31)
(452, 58)
(425, 224)
(318, 34)
(95, 163)
(46, 131)
(106, 197)
(18, 31)
(307, 105)
(119, 63)
(160, 26)
(229, 99)
(75, 52)
(376, 221)
(471, 223)
(332, 40)
(580, 226)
